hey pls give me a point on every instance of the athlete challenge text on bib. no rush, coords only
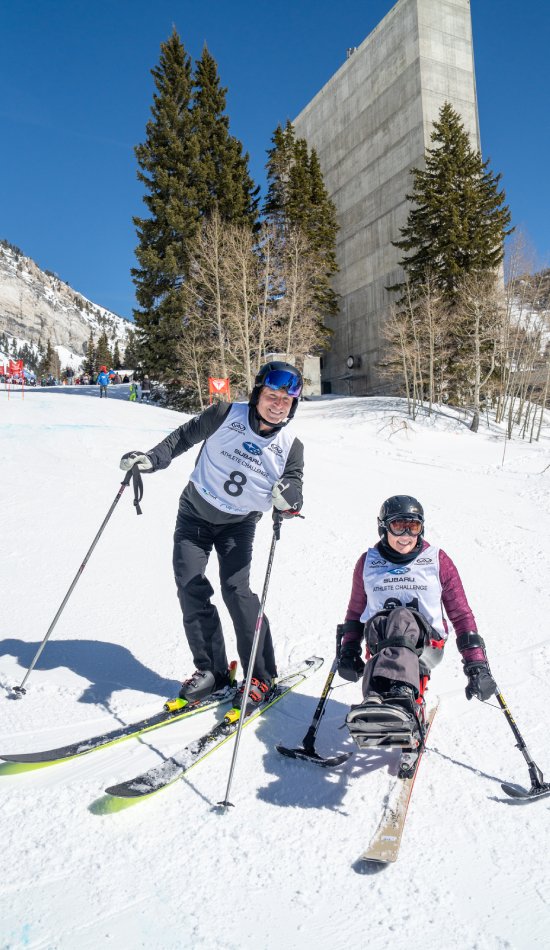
(237, 468)
(415, 585)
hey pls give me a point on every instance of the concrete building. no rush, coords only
(370, 124)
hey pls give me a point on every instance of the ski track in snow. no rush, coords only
(280, 868)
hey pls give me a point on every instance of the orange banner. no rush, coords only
(218, 387)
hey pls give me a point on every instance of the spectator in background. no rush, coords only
(145, 389)
(103, 381)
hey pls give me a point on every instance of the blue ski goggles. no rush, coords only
(282, 379)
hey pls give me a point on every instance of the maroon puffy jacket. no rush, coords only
(453, 597)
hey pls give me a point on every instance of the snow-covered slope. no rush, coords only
(279, 869)
(38, 306)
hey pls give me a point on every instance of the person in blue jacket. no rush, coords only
(103, 381)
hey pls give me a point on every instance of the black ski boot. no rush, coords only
(392, 722)
(202, 683)
(259, 693)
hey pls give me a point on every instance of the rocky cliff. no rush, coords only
(36, 306)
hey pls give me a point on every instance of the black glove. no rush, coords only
(474, 658)
(350, 664)
(140, 459)
(480, 682)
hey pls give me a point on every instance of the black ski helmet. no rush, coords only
(399, 506)
(276, 366)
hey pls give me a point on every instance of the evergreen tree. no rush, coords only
(117, 362)
(49, 364)
(279, 167)
(89, 363)
(297, 199)
(168, 170)
(223, 182)
(321, 229)
(131, 355)
(459, 220)
(103, 353)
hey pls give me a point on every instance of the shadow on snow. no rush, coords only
(301, 784)
(108, 667)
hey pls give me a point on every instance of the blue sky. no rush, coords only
(77, 90)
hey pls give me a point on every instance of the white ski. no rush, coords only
(386, 841)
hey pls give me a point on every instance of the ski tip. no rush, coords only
(369, 866)
(17, 768)
(110, 805)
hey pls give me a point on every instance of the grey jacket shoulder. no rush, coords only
(189, 434)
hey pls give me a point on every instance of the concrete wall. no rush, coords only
(370, 125)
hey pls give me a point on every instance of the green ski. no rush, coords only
(161, 776)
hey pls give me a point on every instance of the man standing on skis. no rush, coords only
(401, 588)
(249, 461)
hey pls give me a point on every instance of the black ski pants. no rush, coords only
(194, 539)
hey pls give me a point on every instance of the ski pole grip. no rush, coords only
(135, 475)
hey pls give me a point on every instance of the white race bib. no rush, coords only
(237, 468)
(415, 585)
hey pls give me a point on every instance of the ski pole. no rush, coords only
(276, 535)
(19, 691)
(538, 784)
(307, 749)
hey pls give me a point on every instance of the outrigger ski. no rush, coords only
(306, 751)
(174, 711)
(311, 755)
(526, 794)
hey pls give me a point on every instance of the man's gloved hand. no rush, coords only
(480, 682)
(140, 459)
(350, 664)
(286, 499)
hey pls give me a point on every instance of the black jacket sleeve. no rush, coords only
(293, 476)
(190, 433)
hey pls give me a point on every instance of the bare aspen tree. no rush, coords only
(269, 286)
(240, 277)
(545, 394)
(433, 323)
(480, 306)
(397, 362)
(523, 359)
(298, 329)
(205, 286)
(194, 351)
